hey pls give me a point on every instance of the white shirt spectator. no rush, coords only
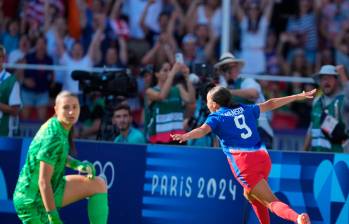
(215, 22)
(15, 56)
(152, 17)
(52, 44)
(252, 46)
(134, 9)
(84, 63)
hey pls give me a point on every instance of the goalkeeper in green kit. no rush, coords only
(42, 187)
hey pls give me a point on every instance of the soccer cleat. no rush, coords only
(303, 219)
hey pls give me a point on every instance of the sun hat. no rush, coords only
(326, 70)
(227, 58)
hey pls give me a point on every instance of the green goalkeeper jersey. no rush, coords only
(51, 146)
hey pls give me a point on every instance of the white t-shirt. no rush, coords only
(215, 22)
(15, 55)
(84, 63)
(152, 17)
(52, 44)
(252, 46)
(14, 100)
(134, 10)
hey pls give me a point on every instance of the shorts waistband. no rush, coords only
(234, 150)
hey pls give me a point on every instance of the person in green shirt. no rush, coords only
(10, 100)
(326, 113)
(122, 119)
(42, 187)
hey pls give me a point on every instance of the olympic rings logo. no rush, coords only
(107, 172)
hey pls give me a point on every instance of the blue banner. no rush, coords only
(172, 184)
(190, 186)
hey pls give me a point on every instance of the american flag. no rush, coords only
(34, 10)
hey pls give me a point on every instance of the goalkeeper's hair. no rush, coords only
(63, 94)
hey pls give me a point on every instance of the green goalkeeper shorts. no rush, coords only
(35, 213)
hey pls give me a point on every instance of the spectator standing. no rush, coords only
(160, 16)
(206, 42)
(122, 119)
(342, 46)
(301, 31)
(332, 16)
(92, 18)
(53, 32)
(118, 23)
(118, 35)
(199, 47)
(299, 67)
(133, 9)
(208, 12)
(78, 60)
(9, 99)
(326, 111)
(254, 27)
(245, 91)
(159, 36)
(275, 62)
(36, 83)
(21, 52)
(112, 58)
(324, 57)
(163, 50)
(191, 54)
(10, 38)
(275, 65)
(164, 113)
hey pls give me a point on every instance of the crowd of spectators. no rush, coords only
(274, 37)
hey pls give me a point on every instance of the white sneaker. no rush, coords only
(303, 219)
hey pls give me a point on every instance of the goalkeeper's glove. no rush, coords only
(83, 167)
(53, 217)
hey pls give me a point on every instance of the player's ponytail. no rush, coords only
(222, 97)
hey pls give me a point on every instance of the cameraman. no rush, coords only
(122, 119)
(244, 90)
(165, 103)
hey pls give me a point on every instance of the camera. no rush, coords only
(114, 86)
(117, 83)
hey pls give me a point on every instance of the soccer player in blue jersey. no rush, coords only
(236, 127)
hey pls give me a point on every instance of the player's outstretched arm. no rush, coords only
(195, 133)
(275, 103)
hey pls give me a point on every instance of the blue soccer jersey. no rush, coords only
(236, 127)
